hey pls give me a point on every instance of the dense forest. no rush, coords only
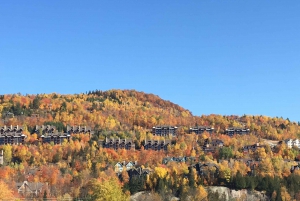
(82, 169)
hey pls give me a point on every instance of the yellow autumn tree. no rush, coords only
(200, 194)
(107, 190)
(5, 192)
(285, 196)
(161, 172)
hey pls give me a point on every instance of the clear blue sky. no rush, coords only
(211, 57)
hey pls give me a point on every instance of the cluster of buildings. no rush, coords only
(11, 135)
(164, 131)
(157, 145)
(50, 134)
(117, 143)
(128, 144)
(132, 168)
(170, 131)
(47, 133)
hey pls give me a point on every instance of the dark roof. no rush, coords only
(11, 129)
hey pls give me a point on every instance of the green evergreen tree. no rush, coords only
(240, 182)
(191, 177)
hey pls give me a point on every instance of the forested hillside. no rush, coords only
(122, 110)
(83, 168)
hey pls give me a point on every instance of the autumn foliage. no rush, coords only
(81, 168)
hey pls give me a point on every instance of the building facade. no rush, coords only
(201, 129)
(117, 143)
(237, 131)
(56, 138)
(164, 131)
(11, 135)
(157, 145)
(79, 129)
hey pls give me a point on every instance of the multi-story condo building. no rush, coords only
(56, 138)
(237, 131)
(79, 129)
(201, 129)
(164, 131)
(117, 143)
(157, 145)
(11, 135)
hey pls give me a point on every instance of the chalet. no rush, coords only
(253, 147)
(31, 188)
(164, 131)
(120, 166)
(206, 169)
(236, 131)
(213, 145)
(11, 135)
(117, 143)
(79, 129)
(130, 165)
(177, 159)
(56, 138)
(157, 145)
(201, 129)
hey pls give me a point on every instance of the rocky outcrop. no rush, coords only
(243, 195)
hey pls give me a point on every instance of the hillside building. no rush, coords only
(79, 129)
(11, 135)
(117, 143)
(164, 131)
(56, 138)
(201, 129)
(237, 131)
(157, 145)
